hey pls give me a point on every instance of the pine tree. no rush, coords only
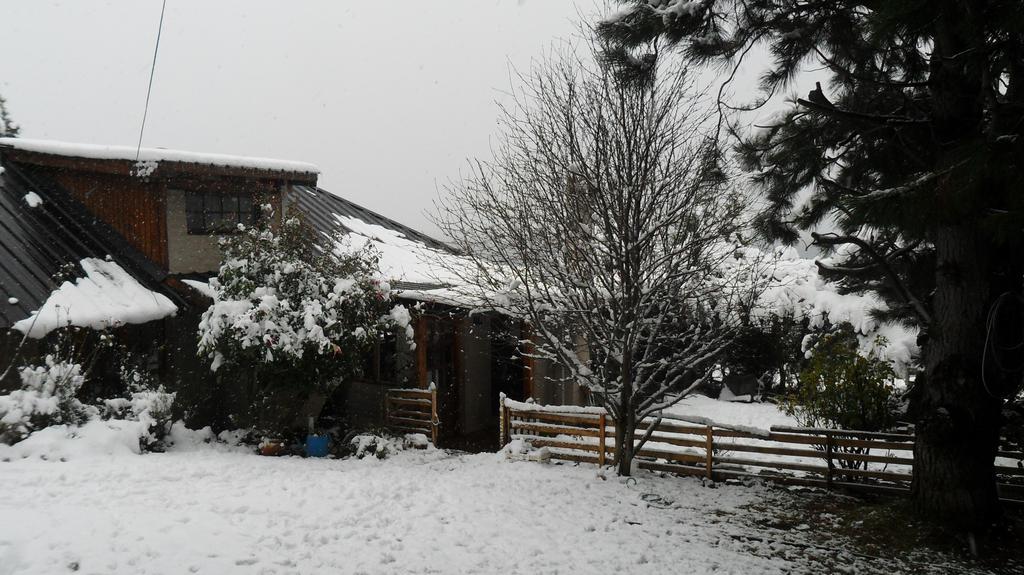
(7, 126)
(912, 154)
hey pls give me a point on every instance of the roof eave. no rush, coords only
(165, 169)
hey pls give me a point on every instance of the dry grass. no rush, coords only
(886, 530)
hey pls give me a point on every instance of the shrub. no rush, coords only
(842, 389)
(47, 397)
(151, 406)
(383, 445)
(293, 317)
(50, 395)
(768, 348)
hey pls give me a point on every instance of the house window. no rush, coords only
(212, 213)
(380, 365)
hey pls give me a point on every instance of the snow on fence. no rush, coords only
(857, 460)
(412, 411)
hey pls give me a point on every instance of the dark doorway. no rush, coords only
(442, 370)
(507, 372)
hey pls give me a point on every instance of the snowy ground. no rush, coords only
(205, 508)
(756, 414)
(215, 511)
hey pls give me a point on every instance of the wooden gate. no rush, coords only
(412, 411)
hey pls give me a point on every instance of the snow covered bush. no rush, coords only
(150, 406)
(383, 445)
(294, 314)
(48, 396)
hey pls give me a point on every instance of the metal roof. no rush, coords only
(320, 208)
(40, 243)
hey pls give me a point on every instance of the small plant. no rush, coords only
(48, 396)
(842, 389)
(381, 444)
(149, 404)
(56, 391)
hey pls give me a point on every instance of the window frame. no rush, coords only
(208, 213)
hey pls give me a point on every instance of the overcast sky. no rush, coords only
(388, 98)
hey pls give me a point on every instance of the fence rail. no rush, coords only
(860, 460)
(412, 411)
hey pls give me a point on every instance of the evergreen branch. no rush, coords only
(817, 101)
(886, 266)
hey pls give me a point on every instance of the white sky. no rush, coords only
(388, 98)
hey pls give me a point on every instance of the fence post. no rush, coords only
(828, 455)
(709, 449)
(434, 422)
(503, 423)
(600, 440)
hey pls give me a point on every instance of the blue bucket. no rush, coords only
(316, 445)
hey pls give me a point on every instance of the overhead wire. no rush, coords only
(152, 71)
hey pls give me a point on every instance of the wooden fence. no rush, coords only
(856, 460)
(412, 411)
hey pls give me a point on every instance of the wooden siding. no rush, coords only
(135, 208)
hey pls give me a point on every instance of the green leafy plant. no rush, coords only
(841, 388)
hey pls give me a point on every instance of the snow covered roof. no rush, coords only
(149, 159)
(410, 258)
(414, 261)
(107, 296)
(43, 235)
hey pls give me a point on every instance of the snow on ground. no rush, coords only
(215, 511)
(94, 505)
(761, 415)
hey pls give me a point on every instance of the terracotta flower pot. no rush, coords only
(271, 447)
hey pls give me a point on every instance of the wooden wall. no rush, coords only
(133, 207)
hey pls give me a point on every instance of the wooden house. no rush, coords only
(156, 214)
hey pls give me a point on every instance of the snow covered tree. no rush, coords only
(604, 223)
(912, 156)
(295, 315)
(8, 128)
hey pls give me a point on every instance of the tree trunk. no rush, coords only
(957, 416)
(957, 405)
(625, 429)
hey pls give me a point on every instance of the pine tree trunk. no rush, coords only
(956, 406)
(958, 419)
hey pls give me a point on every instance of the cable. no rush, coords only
(149, 90)
(991, 336)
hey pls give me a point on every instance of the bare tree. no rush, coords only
(605, 221)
